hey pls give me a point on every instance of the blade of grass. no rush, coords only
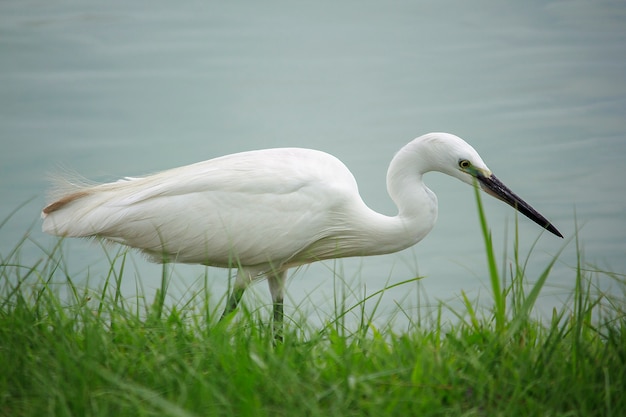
(530, 299)
(494, 277)
(341, 315)
(145, 395)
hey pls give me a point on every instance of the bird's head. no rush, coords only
(453, 156)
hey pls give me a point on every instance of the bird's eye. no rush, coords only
(464, 164)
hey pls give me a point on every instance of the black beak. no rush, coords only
(492, 185)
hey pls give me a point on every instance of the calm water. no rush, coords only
(538, 88)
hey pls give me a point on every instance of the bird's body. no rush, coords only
(268, 210)
(275, 207)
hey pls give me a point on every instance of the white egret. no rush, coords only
(266, 211)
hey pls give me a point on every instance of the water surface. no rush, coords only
(538, 88)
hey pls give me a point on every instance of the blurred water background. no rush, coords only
(112, 89)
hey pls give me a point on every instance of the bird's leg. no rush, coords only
(233, 301)
(276, 281)
(243, 279)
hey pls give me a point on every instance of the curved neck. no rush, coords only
(417, 213)
(416, 203)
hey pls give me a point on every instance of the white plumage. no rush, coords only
(268, 210)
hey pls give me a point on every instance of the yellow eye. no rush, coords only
(464, 164)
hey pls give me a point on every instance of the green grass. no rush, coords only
(104, 355)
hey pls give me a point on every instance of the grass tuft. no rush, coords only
(69, 351)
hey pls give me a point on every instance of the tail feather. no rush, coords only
(82, 213)
(68, 215)
(62, 202)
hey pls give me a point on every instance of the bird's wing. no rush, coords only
(249, 208)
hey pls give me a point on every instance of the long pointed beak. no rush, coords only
(492, 185)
